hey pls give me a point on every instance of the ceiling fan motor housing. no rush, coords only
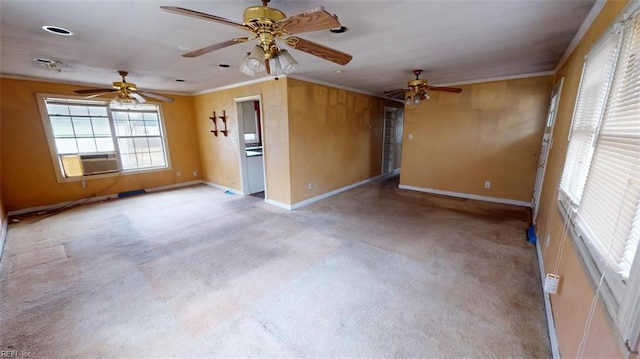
(124, 85)
(262, 14)
(417, 83)
(262, 20)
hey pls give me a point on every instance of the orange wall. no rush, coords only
(221, 155)
(571, 303)
(2, 212)
(490, 132)
(28, 177)
(335, 137)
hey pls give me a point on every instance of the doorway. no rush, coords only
(391, 140)
(251, 145)
(547, 143)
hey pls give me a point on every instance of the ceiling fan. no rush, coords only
(419, 89)
(127, 92)
(267, 24)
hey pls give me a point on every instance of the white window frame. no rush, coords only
(622, 300)
(53, 151)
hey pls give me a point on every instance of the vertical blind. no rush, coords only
(608, 214)
(592, 95)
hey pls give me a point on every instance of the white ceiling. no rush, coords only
(452, 40)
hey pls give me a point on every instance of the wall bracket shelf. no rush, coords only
(225, 131)
(215, 125)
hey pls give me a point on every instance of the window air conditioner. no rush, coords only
(99, 163)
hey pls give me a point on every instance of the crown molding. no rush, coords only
(75, 83)
(498, 78)
(586, 24)
(297, 77)
(326, 83)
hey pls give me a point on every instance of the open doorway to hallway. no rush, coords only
(392, 140)
(250, 141)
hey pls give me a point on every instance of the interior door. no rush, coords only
(547, 142)
(389, 140)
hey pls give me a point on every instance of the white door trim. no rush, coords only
(538, 185)
(244, 186)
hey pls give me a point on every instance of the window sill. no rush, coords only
(112, 174)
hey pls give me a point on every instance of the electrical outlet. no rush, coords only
(487, 184)
(195, 173)
(310, 185)
(410, 136)
(178, 173)
(546, 243)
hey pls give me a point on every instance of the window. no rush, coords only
(139, 138)
(600, 184)
(89, 137)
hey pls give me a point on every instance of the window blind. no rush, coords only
(609, 214)
(596, 76)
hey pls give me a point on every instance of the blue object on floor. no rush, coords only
(228, 192)
(531, 234)
(131, 193)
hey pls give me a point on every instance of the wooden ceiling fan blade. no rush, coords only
(310, 20)
(204, 16)
(94, 91)
(397, 94)
(445, 89)
(208, 49)
(138, 97)
(395, 91)
(316, 49)
(155, 96)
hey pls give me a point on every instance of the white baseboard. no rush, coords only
(553, 339)
(59, 205)
(3, 233)
(224, 188)
(307, 202)
(278, 204)
(468, 196)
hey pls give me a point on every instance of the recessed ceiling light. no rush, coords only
(48, 63)
(339, 71)
(224, 65)
(339, 30)
(57, 30)
(180, 80)
(42, 60)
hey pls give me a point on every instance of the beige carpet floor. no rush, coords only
(194, 272)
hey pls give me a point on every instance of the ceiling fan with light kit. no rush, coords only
(418, 88)
(127, 93)
(267, 24)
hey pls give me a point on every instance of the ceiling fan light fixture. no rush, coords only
(255, 60)
(275, 66)
(244, 66)
(287, 62)
(124, 102)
